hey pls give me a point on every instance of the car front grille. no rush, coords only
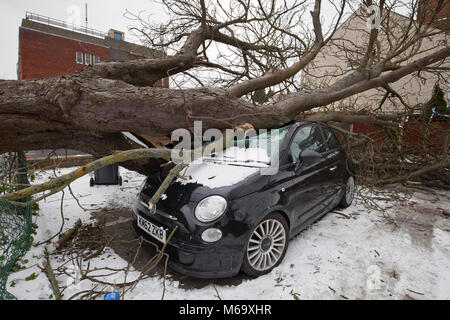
(170, 250)
(160, 218)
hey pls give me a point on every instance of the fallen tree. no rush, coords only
(263, 47)
(270, 45)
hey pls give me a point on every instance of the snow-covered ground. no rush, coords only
(358, 255)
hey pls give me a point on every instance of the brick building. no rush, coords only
(51, 48)
(439, 9)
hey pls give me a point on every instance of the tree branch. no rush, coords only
(68, 178)
(277, 76)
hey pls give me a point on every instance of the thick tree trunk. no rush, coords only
(89, 114)
(76, 112)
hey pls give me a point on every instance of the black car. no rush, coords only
(231, 217)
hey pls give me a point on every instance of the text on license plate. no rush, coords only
(153, 230)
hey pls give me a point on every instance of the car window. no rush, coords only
(330, 138)
(252, 149)
(264, 140)
(307, 138)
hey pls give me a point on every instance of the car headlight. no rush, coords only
(211, 235)
(210, 208)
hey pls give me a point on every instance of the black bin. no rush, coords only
(106, 175)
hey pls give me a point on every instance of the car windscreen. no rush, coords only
(256, 149)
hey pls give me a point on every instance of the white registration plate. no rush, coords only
(156, 232)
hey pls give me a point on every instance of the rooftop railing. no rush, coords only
(64, 25)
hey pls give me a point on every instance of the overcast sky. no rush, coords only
(102, 15)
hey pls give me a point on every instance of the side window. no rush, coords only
(331, 139)
(88, 58)
(307, 138)
(118, 35)
(79, 57)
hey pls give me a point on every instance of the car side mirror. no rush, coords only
(309, 157)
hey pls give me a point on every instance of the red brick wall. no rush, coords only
(428, 7)
(43, 55)
(416, 134)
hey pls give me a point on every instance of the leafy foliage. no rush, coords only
(437, 101)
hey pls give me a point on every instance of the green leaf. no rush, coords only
(31, 277)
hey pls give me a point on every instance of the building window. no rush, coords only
(117, 35)
(352, 64)
(87, 58)
(79, 57)
(96, 59)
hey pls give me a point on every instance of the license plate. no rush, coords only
(156, 232)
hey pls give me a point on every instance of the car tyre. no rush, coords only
(349, 193)
(266, 246)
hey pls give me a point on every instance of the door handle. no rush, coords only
(333, 168)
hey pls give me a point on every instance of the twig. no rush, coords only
(61, 182)
(415, 292)
(342, 214)
(295, 295)
(84, 292)
(76, 199)
(164, 278)
(66, 236)
(51, 276)
(218, 296)
(96, 253)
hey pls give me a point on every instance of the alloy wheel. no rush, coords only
(266, 245)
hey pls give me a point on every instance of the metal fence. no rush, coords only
(64, 24)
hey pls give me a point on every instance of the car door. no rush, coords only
(335, 162)
(307, 193)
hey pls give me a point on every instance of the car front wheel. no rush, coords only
(267, 245)
(349, 193)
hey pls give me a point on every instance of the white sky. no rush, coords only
(102, 15)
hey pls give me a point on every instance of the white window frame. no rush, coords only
(352, 64)
(79, 54)
(96, 59)
(87, 58)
